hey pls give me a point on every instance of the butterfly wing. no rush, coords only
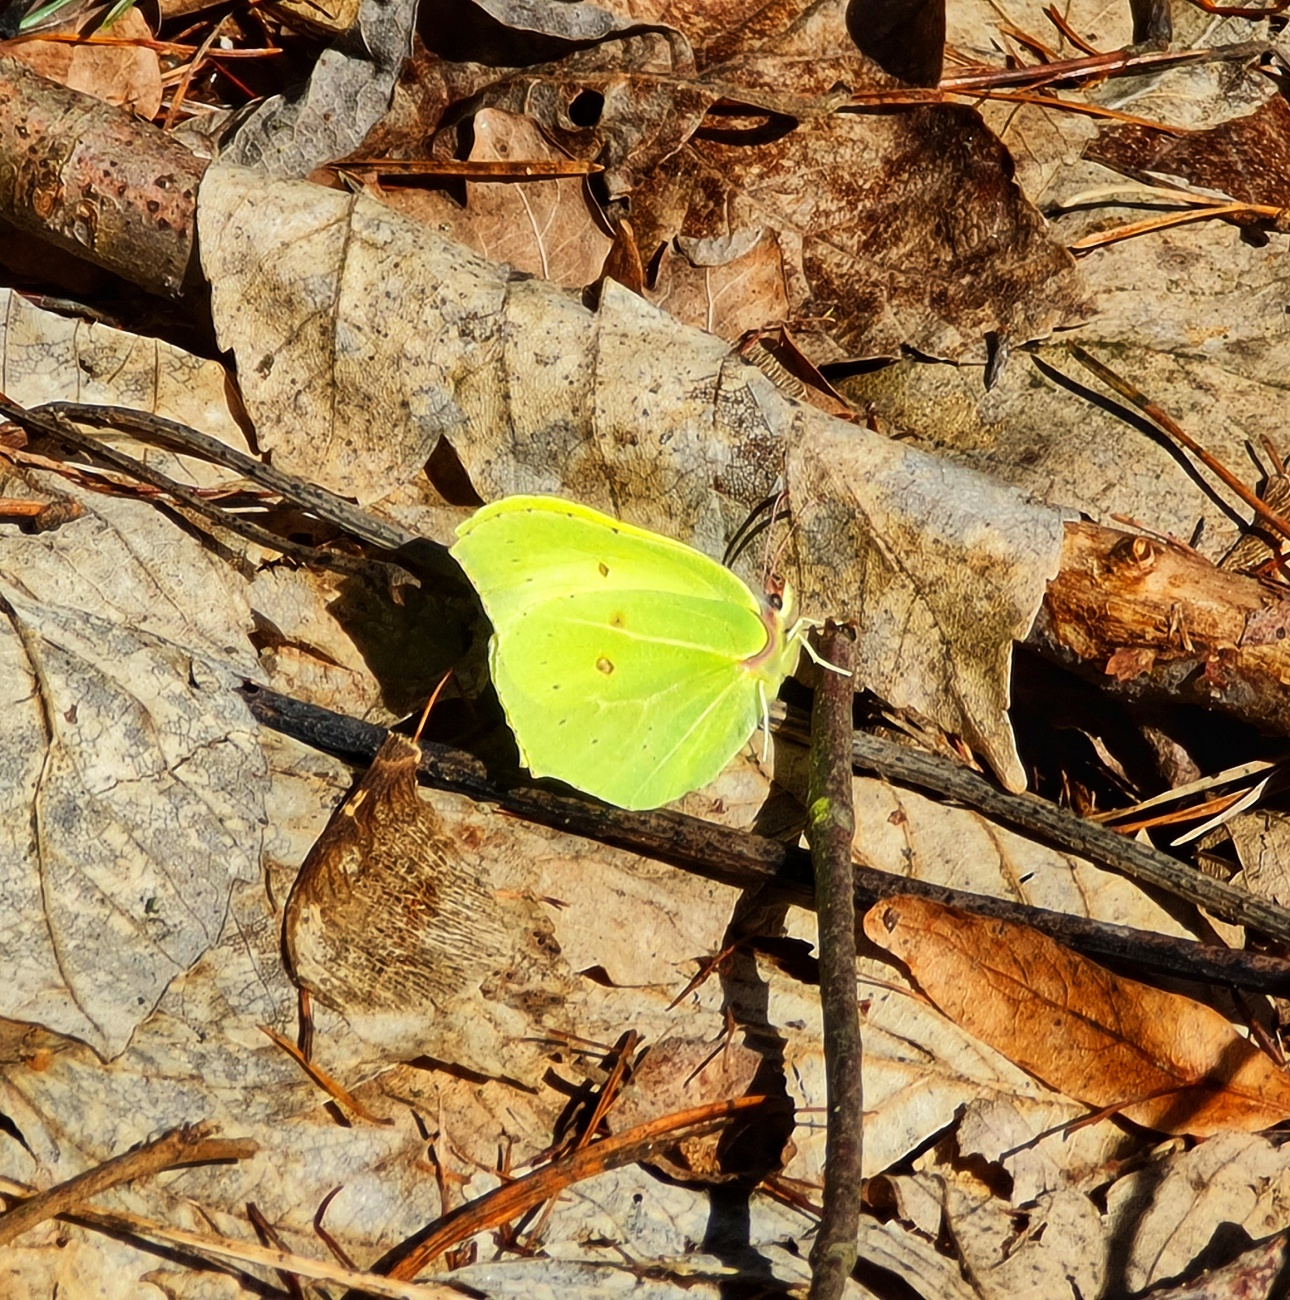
(629, 665)
(525, 550)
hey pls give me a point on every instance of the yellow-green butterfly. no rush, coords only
(630, 665)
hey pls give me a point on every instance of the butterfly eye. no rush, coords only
(775, 601)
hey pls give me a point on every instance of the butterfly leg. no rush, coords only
(765, 722)
(804, 625)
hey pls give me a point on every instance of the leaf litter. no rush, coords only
(175, 1067)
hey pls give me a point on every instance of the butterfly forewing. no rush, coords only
(523, 551)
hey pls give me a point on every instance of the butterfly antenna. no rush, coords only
(771, 583)
(749, 529)
(425, 713)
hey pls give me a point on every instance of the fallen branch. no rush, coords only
(744, 860)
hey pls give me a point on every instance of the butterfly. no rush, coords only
(629, 665)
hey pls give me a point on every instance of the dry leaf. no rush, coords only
(1161, 1060)
(49, 357)
(894, 231)
(1059, 1251)
(135, 774)
(392, 922)
(125, 71)
(1166, 1214)
(1253, 1273)
(880, 230)
(1246, 158)
(543, 228)
(1033, 1139)
(680, 1072)
(728, 287)
(346, 94)
(941, 580)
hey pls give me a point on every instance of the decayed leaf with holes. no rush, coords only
(1161, 1060)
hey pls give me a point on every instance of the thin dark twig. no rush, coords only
(745, 861)
(1179, 434)
(54, 420)
(830, 830)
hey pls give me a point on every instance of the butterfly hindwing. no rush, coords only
(628, 701)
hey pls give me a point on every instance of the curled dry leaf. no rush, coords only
(1159, 1059)
(393, 923)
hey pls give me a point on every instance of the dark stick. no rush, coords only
(746, 861)
(55, 420)
(1049, 824)
(830, 830)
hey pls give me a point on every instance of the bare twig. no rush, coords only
(744, 860)
(191, 1145)
(831, 829)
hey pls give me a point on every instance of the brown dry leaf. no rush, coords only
(1161, 1060)
(121, 73)
(680, 1072)
(544, 228)
(1194, 316)
(728, 287)
(894, 231)
(1246, 158)
(891, 229)
(392, 922)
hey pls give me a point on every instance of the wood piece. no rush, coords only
(1151, 621)
(93, 180)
